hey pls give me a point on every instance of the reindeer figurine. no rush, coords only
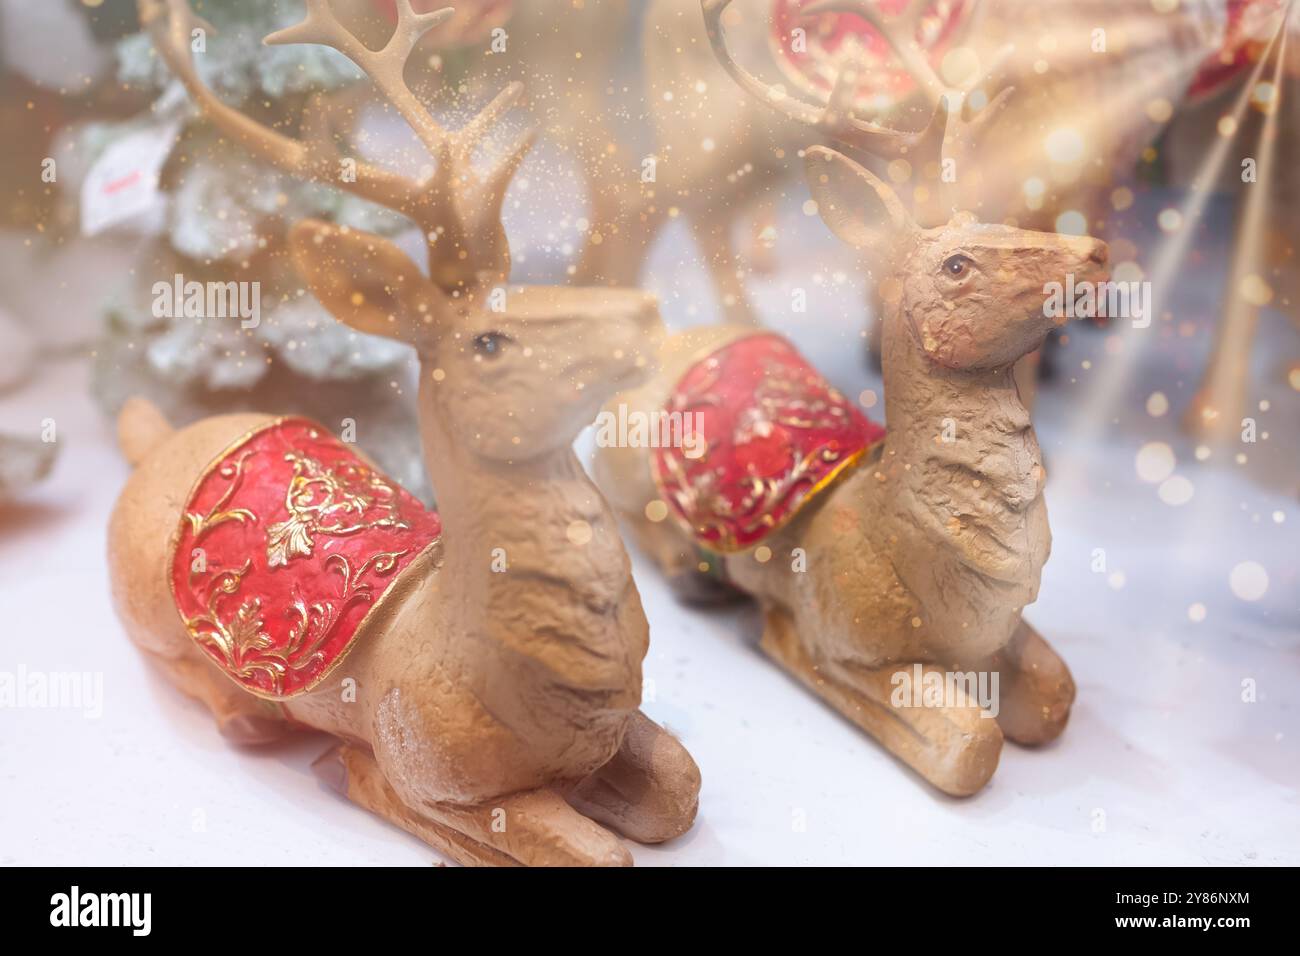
(880, 558)
(493, 715)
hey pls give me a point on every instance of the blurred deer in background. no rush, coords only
(1098, 84)
(875, 555)
(493, 715)
(719, 153)
(573, 57)
(570, 55)
(1097, 81)
(1026, 160)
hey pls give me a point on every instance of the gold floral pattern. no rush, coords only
(300, 540)
(218, 514)
(247, 650)
(328, 501)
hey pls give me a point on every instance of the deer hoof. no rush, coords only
(1046, 722)
(1041, 693)
(331, 770)
(250, 730)
(964, 771)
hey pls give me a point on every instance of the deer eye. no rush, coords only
(490, 344)
(956, 266)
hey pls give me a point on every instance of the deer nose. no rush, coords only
(1098, 257)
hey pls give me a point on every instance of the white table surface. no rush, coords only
(1160, 743)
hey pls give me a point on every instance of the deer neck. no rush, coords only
(963, 484)
(537, 589)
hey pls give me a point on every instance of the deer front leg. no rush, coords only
(649, 791)
(1035, 688)
(665, 544)
(532, 828)
(955, 748)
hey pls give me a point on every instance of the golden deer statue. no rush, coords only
(881, 559)
(481, 666)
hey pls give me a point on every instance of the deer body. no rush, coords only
(542, 660)
(911, 530)
(488, 702)
(922, 560)
(927, 552)
(548, 653)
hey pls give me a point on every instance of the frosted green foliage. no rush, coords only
(217, 354)
(220, 198)
(314, 345)
(192, 368)
(235, 64)
(218, 195)
(213, 353)
(23, 462)
(222, 205)
(216, 208)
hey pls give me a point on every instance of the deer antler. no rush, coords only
(384, 67)
(458, 210)
(962, 126)
(835, 118)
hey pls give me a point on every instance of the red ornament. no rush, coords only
(1243, 44)
(286, 543)
(833, 40)
(763, 433)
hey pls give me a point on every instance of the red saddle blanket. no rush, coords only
(287, 542)
(762, 434)
(831, 41)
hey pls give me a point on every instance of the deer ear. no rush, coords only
(364, 280)
(859, 208)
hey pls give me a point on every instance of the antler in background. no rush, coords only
(955, 121)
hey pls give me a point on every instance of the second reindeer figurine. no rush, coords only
(481, 666)
(892, 565)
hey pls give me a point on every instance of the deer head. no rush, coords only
(971, 295)
(506, 373)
